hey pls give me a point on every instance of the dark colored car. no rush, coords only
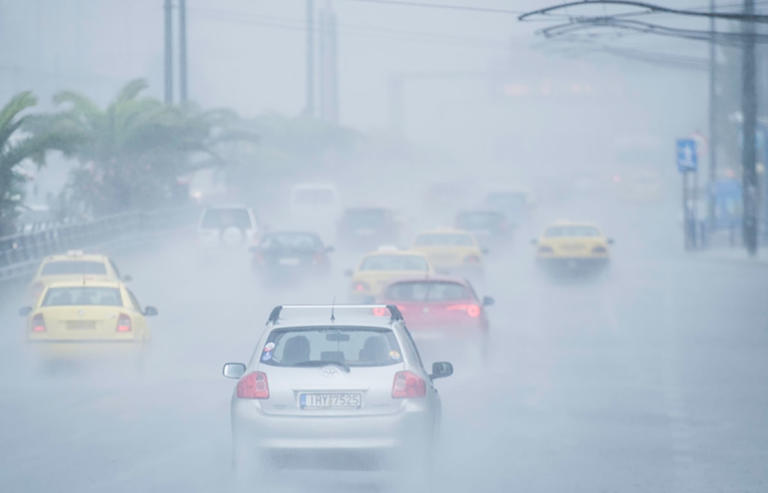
(489, 227)
(367, 228)
(290, 255)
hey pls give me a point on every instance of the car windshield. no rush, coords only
(291, 241)
(361, 218)
(314, 196)
(571, 231)
(82, 296)
(74, 267)
(428, 291)
(444, 239)
(346, 345)
(479, 220)
(226, 218)
(395, 262)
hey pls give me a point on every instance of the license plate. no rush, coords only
(330, 400)
(288, 261)
(81, 324)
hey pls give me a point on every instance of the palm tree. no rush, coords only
(16, 146)
(132, 152)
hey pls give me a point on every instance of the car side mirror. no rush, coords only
(349, 272)
(610, 241)
(24, 311)
(233, 370)
(441, 369)
(150, 311)
(534, 241)
(488, 300)
(329, 249)
(127, 278)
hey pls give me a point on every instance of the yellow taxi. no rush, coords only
(572, 246)
(451, 251)
(87, 310)
(73, 265)
(379, 268)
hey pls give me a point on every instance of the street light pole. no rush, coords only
(168, 52)
(309, 108)
(712, 120)
(183, 51)
(749, 112)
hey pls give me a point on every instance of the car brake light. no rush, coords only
(123, 323)
(472, 259)
(407, 384)
(38, 323)
(380, 311)
(253, 386)
(360, 287)
(471, 309)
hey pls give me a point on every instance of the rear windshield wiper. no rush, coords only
(318, 362)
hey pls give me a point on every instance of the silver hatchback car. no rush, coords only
(334, 388)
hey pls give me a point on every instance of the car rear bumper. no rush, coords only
(328, 442)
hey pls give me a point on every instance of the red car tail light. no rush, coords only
(471, 309)
(124, 323)
(380, 311)
(360, 287)
(253, 386)
(38, 323)
(407, 385)
(472, 259)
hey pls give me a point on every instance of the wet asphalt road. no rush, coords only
(651, 378)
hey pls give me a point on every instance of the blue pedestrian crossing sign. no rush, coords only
(687, 157)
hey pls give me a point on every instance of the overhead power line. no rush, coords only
(442, 6)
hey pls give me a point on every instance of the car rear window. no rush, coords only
(82, 295)
(316, 346)
(74, 267)
(428, 291)
(571, 231)
(395, 262)
(444, 239)
(226, 218)
(291, 241)
(479, 220)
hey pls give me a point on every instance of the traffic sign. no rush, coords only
(687, 157)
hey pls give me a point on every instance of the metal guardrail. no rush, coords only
(21, 253)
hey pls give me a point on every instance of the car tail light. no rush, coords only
(407, 384)
(360, 287)
(472, 259)
(381, 311)
(38, 323)
(599, 249)
(253, 386)
(471, 309)
(123, 323)
(545, 249)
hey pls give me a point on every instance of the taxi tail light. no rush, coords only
(380, 311)
(253, 386)
(38, 323)
(545, 249)
(472, 259)
(599, 249)
(471, 309)
(408, 385)
(360, 287)
(124, 323)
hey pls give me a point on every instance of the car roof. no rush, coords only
(341, 315)
(88, 257)
(80, 281)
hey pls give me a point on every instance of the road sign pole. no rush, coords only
(686, 213)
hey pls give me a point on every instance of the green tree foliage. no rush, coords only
(17, 144)
(132, 152)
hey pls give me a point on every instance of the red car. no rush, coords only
(440, 308)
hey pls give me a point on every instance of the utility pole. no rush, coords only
(712, 147)
(168, 52)
(183, 51)
(333, 68)
(309, 108)
(328, 70)
(749, 112)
